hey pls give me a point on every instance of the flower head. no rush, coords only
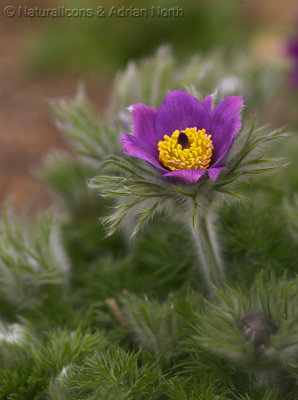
(293, 53)
(184, 139)
(257, 328)
(293, 48)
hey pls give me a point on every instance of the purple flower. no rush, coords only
(184, 139)
(293, 48)
(293, 53)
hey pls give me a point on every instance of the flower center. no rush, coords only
(188, 149)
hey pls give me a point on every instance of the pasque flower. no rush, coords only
(185, 139)
(293, 53)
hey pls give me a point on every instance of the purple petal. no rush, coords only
(215, 171)
(135, 148)
(293, 48)
(143, 123)
(140, 143)
(207, 102)
(186, 175)
(225, 124)
(180, 110)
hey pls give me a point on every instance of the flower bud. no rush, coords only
(256, 327)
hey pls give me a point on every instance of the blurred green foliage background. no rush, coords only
(107, 43)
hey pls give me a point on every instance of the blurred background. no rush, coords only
(46, 57)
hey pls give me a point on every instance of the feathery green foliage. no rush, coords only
(32, 259)
(77, 119)
(85, 316)
(148, 80)
(257, 331)
(67, 178)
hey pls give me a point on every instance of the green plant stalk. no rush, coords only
(211, 265)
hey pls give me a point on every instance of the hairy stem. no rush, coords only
(211, 265)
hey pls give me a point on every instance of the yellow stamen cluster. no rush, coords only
(196, 155)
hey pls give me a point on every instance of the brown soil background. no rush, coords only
(27, 130)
